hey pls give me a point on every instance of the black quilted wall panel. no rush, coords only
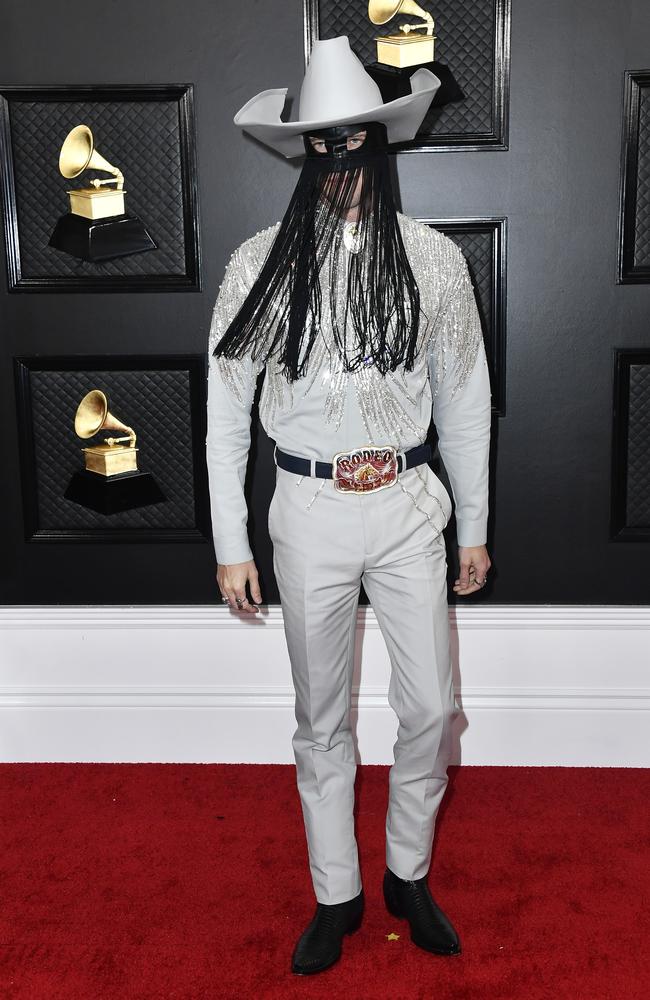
(642, 231)
(471, 39)
(638, 457)
(634, 246)
(149, 138)
(630, 518)
(156, 402)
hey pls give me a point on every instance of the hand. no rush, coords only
(474, 564)
(232, 579)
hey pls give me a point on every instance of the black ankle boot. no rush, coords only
(430, 928)
(319, 946)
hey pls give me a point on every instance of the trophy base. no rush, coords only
(405, 50)
(113, 494)
(393, 82)
(110, 461)
(101, 239)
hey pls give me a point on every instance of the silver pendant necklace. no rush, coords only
(352, 237)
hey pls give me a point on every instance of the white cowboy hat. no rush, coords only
(336, 90)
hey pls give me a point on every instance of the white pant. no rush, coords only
(321, 553)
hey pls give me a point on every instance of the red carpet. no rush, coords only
(153, 882)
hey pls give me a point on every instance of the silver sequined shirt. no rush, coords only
(329, 410)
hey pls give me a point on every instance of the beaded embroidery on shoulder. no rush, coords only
(455, 329)
(244, 265)
(242, 269)
(457, 333)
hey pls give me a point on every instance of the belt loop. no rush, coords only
(275, 448)
(403, 454)
(312, 466)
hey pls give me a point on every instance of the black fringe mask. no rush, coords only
(281, 314)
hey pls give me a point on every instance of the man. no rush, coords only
(364, 322)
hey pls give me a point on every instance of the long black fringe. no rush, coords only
(282, 312)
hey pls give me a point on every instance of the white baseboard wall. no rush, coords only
(537, 684)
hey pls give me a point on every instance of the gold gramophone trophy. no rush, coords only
(401, 53)
(408, 47)
(97, 227)
(111, 481)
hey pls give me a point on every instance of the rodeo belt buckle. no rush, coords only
(365, 469)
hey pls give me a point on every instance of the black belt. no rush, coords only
(323, 470)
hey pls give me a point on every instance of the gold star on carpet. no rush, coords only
(392, 936)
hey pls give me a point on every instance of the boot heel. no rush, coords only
(392, 907)
(394, 911)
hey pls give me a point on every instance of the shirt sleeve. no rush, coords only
(460, 382)
(231, 388)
